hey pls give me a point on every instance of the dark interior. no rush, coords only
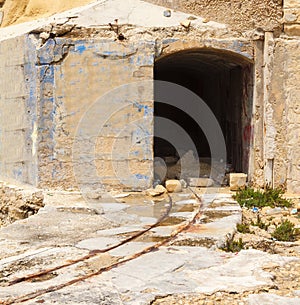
(224, 82)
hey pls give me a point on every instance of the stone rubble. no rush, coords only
(157, 191)
(173, 186)
(237, 181)
(18, 203)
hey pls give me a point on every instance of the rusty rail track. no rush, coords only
(26, 297)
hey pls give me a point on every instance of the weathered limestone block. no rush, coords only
(292, 15)
(292, 29)
(173, 186)
(291, 3)
(158, 190)
(237, 181)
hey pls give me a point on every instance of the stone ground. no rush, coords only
(135, 249)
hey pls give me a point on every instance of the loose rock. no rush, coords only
(183, 183)
(186, 23)
(167, 13)
(158, 190)
(237, 181)
(173, 186)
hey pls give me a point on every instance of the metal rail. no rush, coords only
(184, 226)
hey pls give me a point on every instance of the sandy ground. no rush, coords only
(18, 11)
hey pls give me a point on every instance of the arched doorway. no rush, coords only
(224, 81)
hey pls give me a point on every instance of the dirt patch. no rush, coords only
(27, 10)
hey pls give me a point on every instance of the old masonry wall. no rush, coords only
(51, 88)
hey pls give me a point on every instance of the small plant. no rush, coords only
(259, 223)
(233, 246)
(285, 231)
(255, 198)
(243, 228)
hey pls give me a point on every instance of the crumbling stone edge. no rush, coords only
(18, 202)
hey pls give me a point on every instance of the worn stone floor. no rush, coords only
(134, 249)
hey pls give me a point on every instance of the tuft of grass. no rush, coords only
(285, 231)
(233, 246)
(243, 228)
(250, 197)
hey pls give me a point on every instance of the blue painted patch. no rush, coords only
(18, 173)
(147, 110)
(169, 40)
(80, 48)
(46, 53)
(141, 177)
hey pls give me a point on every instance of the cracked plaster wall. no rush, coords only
(75, 75)
(18, 120)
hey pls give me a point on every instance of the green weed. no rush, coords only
(256, 198)
(243, 228)
(285, 231)
(233, 246)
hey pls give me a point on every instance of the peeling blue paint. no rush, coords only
(169, 40)
(80, 48)
(45, 53)
(141, 177)
(147, 110)
(18, 173)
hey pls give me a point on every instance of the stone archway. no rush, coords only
(224, 81)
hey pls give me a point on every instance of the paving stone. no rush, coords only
(98, 243)
(120, 230)
(173, 270)
(113, 207)
(183, 215)
(130, 249)
(176, 269)
(88, 293)
(271, 299)
(163, 231)
(188, 201)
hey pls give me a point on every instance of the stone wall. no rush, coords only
(56, 86)
(239, 15)
(292, 17)
(18, 97)
(282, 107)
(76, 75)
(285, 87)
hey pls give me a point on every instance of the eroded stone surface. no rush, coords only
(189, 264)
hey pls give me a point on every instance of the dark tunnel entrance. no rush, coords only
(224, 81)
